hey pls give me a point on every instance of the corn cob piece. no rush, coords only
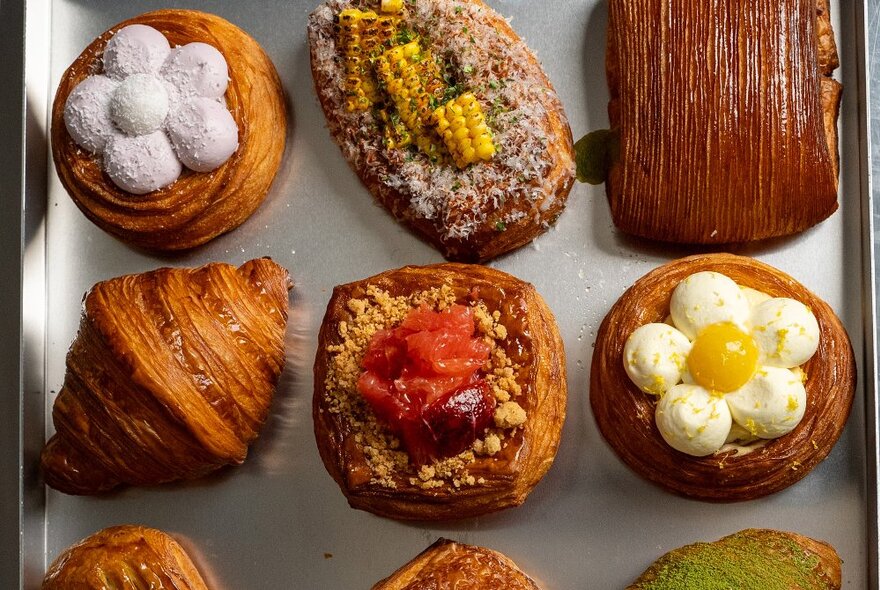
(462, 125)
(413, 81)
(362, 35)
(393, 130)
(391, 5)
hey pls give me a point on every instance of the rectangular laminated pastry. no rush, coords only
(724, 116)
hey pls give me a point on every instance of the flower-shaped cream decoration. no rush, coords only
(153, 110)
(726, 367)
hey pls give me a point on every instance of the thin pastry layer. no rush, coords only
(753, 559)
(170, 376)
(625, 414)
(447, 565)
(490, 207)
(125, 557)
(197, 206)
(725, 118)
(526, 368)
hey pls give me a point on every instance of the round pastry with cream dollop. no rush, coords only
(165, 129)
(721, 378)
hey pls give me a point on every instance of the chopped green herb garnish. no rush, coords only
(456, 185)
(500, 226)
(493, 85)
(458, 9)
(468, 69)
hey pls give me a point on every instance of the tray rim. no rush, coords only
(24, 162)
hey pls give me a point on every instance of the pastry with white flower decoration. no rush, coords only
(168, 130)
(721, 378)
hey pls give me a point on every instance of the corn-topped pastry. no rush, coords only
(447, 118)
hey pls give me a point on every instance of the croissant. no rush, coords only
(170, 376)
(724, 117)
(198, 206)
(498, 466)
(473, 210)
(625, 414)
(447, 565)
(124, 557)
(753, 559)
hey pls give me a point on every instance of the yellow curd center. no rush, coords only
(723, 358)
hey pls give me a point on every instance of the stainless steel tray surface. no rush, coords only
(279, 521)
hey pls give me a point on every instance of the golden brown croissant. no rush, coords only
(490, 207)
(197, 206)
(447, 565)
(625, 414)
(170, 376)
(753, 559)
(725, 118)
(525, 372)
(127, 558)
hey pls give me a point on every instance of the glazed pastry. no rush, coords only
(480, 161)
(753, 559)
(774, 419)
(167, 131)
(439, 391)
(447, 565)
(124, 557)
(170, 376)
(724, 119)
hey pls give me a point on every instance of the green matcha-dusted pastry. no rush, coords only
(753, 559)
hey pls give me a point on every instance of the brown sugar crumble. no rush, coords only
(385, 457)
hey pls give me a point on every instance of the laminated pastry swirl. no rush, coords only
(198, 206)
(724, 118)
(482, 482)
(625, 414)
(170, 376)
(753, 559)
(125, 557)
(447, 565)
(490, 207)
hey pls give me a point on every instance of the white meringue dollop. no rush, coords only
(706, 298)
(771, 404)
(692, 420)
(786, 331)
(154, 110)
(655, 357)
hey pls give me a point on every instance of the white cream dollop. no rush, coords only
(655, 357)
(692, 420)
(135, 49)
(706, 298)
(204, 134)
(771, 404)
(87, 113)
(198, 69)
(786, 331)
(139, 105)
(141, 164)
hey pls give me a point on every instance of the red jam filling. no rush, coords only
(421, 379)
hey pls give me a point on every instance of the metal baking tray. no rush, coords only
(279, 521)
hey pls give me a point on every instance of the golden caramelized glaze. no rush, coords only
(625, 414)
(197, 206)
(170, 376)
(490, 207)
(725, 118)
(480, 482)
(753, 559)
(447, 565)
(124, 558)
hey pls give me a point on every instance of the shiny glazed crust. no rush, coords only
(625, 414)
(509, 476)
(735, 140)
(778, 547)
(198, 206)
(170, 376)
(124, 557)
(488, 195)
(447, 565)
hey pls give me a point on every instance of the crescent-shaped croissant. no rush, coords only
(170, 376)
(124, 557)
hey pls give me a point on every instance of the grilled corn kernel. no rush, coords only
(362, 35)
(406, 72)
(391, 5)
(462, 125)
